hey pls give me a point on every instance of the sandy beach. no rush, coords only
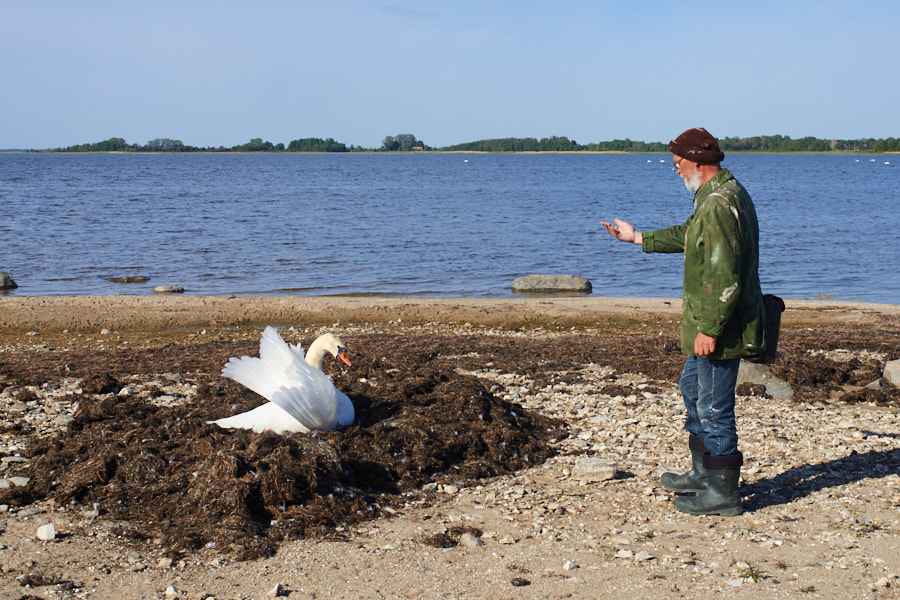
(489, 503)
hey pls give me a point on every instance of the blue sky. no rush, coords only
(214, 73)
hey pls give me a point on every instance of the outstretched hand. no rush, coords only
(623, 231)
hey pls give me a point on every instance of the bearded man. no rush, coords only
(723, 317)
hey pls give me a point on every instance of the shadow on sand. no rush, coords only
(800, 482)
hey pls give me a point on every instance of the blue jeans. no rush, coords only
(708, 390)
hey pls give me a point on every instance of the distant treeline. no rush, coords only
(406, 142)
(168, 145)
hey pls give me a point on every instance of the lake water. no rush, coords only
(435, 225)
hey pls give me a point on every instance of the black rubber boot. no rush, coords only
(721, 496)
(695, 479)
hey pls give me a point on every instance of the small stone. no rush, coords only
(643, 555)
(29, 511)
(63, 420)
(105, 331)
(46, 532)
(164, 563)
(569, 565)
(276, 591)
(171, 592)
(450, 489)
(624, 554)
(470, 541)
(876, 385)
(892, 372)
(594, 469)
(520, 581)
(507, 540)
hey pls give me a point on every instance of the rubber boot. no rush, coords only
(695, 479)
(721, 496)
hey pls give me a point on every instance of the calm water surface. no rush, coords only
(438, 225)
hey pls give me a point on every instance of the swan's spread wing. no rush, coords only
(253, 373)
(267, 417)
(315, 410)
(274, 351)
(268, 373)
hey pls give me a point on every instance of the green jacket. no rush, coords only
(722, 296)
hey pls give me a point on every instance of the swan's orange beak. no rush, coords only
(344, 359)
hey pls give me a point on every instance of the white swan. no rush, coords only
(301, 397)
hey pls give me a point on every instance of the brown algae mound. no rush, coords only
(165, 474)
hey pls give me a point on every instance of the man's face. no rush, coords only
(689, 172)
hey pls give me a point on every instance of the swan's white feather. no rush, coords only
(301, 397)
(346, 414)
(266, 417)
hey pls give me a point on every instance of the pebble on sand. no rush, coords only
(594, 469)
(46, 532)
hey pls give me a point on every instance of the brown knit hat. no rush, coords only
(697, 145)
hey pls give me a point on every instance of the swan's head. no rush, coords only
(330, 343)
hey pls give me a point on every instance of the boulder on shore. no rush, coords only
(537, 284)
(6, 282)
(759, 374)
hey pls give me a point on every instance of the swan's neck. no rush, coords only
(316, 353)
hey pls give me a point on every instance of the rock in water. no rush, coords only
(6, 282)
(168, 289)
(542, 284)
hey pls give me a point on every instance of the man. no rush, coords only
(722, 317)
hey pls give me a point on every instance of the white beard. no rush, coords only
(693, 183)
